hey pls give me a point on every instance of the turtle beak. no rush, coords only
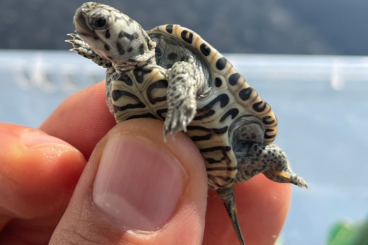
(80, 23)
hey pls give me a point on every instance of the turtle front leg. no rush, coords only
(185, 82)
(82, 48)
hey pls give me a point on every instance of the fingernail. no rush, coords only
(32, 139)
(138, 183)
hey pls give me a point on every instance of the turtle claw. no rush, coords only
(299, 181)
(296, 180)
(82, 48)
(74, 36)
(78, 43)
(177, 121)
(172, 128)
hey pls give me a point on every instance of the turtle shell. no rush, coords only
(221, 72)
(230, 98)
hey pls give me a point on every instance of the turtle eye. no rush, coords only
(100, 22)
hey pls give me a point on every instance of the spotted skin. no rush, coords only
(82, 48)
(185, 80)
(171, 73)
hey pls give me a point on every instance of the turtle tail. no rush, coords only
(227, 196)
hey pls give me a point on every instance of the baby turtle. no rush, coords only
(171, 73)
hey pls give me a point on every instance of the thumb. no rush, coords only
(137, 189)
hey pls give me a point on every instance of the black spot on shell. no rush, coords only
(172, 56)
(130, 49)
(169, 28)
(139, 74)
(146, 115)
(156, 85)
(187, 36)
(266, 134)
(200, 138)
(266, 120)
(222, 98)
(205, 115)
(133, 97)
(126, 79)
(258, 107)
(160, 113)
(116, 94)
(216, 148)
(221, 63)
(212, 130)
(107, 48)
(233, 79)
(232, 112)
(245, 93)
(205, 49)
(128, 82)
(218, 82)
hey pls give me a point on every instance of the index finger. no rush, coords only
(82, 119)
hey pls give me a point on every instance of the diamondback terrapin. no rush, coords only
(171, 73)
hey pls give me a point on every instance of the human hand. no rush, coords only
(135, 188)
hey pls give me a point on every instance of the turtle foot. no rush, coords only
(178, 119)
(82, 48)
(286, 177)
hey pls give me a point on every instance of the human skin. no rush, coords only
(53, 180)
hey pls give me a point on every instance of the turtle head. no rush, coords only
(112, 34)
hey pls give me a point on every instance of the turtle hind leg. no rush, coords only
(227, 196)
(279, 170)
(270, 160)
(286, 177)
